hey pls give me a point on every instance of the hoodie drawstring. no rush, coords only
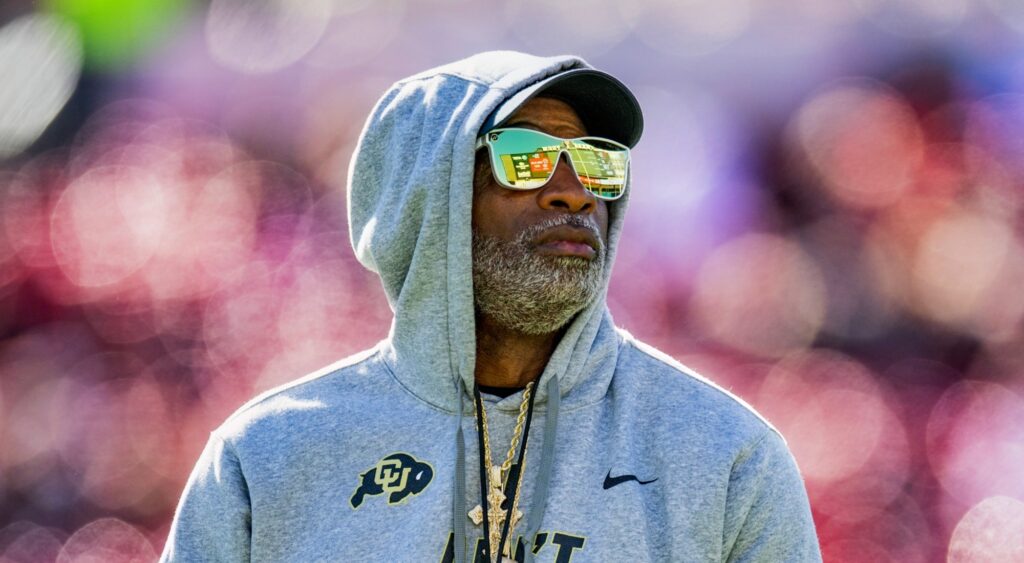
(547, 456)
(459, 493)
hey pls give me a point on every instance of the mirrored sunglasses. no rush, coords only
(525, 159)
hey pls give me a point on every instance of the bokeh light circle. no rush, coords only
(25, 208)
(815, 397)
(975, 441)
(27, 542)
(107, 540)
(107, 224)
(40, 62)
(360, 31)
(240, 323)
(265, 35)
(991, 531)
(960, 262)
(862, 141)
(831, 413)
(35, 426)
(761, 294)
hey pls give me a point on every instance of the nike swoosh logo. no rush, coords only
(610, 481)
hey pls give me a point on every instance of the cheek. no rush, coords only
(503, 213)
(487, 206)
(497, 211)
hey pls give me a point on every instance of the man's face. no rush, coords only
(538, 255)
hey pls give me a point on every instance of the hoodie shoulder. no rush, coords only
(698, 400)
(305, 397)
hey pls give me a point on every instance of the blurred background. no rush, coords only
(826, 219)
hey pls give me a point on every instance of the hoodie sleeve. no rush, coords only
(768, 516)
(213, 519)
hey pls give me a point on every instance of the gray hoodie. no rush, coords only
(632, 457)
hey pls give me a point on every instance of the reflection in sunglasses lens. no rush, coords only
(526, 159)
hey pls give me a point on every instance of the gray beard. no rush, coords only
(523, 291)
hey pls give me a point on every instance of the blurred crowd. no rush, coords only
(826, 220)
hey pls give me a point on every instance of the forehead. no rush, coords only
(550, 115)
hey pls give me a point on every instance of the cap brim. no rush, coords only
(604, 104)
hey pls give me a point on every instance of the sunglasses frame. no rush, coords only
(485, 141)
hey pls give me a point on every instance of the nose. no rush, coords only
(565, 193)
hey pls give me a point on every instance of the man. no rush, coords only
(504, 416)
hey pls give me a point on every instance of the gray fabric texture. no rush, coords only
(309, 471)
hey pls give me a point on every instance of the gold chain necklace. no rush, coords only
(496, 476)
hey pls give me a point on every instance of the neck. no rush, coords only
(505, 358)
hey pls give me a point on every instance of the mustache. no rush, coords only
(529, 234)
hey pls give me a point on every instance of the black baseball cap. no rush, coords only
(607, 108)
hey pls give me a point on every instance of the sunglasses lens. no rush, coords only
(600, 166)
(524, 159)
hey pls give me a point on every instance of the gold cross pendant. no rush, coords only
(494, 499)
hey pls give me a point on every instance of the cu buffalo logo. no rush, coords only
(398, 475)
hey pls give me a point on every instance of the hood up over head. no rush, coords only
(410, 194)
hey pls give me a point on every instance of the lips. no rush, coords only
(568, 240)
